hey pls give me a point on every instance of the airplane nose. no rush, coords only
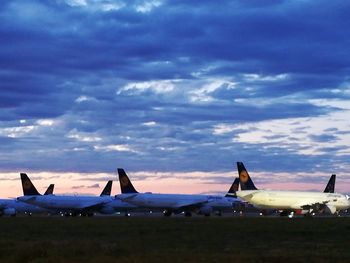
(348, 205)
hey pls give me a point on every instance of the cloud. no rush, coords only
(94, 186)
(88, 86)
(78, 187)
(83, 187)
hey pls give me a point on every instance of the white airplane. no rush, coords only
(65, 204)
(295, 202)
(12, 207)
(175, 203)
(73, 205)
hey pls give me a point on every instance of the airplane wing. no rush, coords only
(27, 199)
(92, 206)
(190, 205)
(126, 197)
(88, 207)
(314, 207)
(84, 206)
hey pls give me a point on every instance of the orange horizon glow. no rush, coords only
(93, 183)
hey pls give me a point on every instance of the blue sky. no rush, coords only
(176, 87)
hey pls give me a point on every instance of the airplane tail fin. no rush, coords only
(126, 186)
(49, 190)
(244, 178)
(331, 185)
(27, 185)
(233, 189)
(108, 189)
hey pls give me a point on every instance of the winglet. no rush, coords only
(233, 189)
(108, 189)
(126, 186)
(244, 178)
(49, 190)
(27, 185)
(331, 185)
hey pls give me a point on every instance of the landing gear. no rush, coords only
(188, 214)
(309, 215)
(285, 213)
(218, 213)
(167, 213)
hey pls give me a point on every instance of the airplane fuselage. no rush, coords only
(117, 205)
(162, 200)
(76, 203)
(294, 200)
(178, 201)
(222, 203)
(62, 202)
(12, 207)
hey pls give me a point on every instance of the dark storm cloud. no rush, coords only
(130, 42)
(132, 85)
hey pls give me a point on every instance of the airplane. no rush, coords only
(65, 204)
(329, 189)
(174, 203)
(295, 202)
(74, 205)
(12, 207)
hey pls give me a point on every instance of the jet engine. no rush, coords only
(8, 212)
(107, 210)
(205, 210)
(330, 209)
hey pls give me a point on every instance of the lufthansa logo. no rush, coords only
(243, 176)
(124, 181)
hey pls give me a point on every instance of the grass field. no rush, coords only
(119, 239)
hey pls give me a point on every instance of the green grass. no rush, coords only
(119, 239)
